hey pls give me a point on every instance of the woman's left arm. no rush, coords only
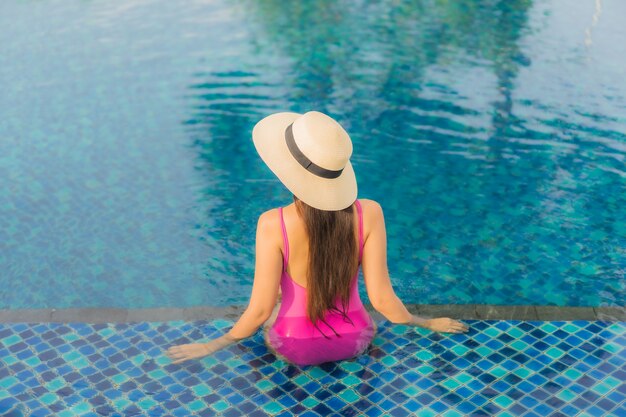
(267, 272)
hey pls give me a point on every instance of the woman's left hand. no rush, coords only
(181, 353)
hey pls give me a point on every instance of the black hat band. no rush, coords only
(306, 162)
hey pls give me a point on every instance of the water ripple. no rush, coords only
(493, 135)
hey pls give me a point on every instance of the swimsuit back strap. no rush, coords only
(285, 240)
(360, 212)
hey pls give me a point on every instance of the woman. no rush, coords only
(312, 250)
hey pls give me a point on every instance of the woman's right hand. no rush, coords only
(447, 325)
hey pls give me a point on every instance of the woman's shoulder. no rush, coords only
(269, 215)
(371, 208)
(269, 221)
(368, 202)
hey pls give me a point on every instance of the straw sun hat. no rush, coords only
(310, 154)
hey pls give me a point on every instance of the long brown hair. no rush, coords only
(333, 260)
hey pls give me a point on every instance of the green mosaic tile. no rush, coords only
(566, 395)
(49, 398)
(503, 401)
(302, 379)
(554, 353)
(612, 347)
(146, 403)
(349, 395)
(219, 406)
(463, 378)
(70, 356)
(399, 329)
(377, 341)
(422, 331)
(119, 379)
(273, 407)
(351, 380)
(522, 372)
(572, 374)
(518, 345)
(451, 384)
(234, 363)
(157, 374)
(317, 373)
(570, 328)
(351, 366)
(55, 384)
(425, 369)
(424, 355)
(219, 324)
(209, 361)
(121, 403)
(8, 382)
(612, 382)
(9, 360)
(162, 360)
(498, 371)
(264, 385)
(617, 328)
(32, 362)
(138, 359)
(70, 337)
(10, 340)
(311, 402)
(492, 331)
(483, 351)
(107, 332)
(548, 327)
(80, 363)
(196, 405)
(601, 388)
(389, 361)
(515, 333)
(460, 350)
(201, 390)
(279, 364)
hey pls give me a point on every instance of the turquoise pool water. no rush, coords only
(493, 136)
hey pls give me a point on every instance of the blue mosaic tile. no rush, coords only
(120, 369)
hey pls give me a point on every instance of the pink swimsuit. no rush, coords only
(294, 336)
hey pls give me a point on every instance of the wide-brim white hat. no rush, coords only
(310, 154)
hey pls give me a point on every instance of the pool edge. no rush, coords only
(456, 311)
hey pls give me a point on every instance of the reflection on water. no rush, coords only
(491, 187)
(492, 133)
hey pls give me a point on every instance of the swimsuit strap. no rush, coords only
(360, 211)
(285, 240)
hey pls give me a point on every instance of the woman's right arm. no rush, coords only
(378, 284)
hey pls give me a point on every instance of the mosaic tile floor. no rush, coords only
(499, 368)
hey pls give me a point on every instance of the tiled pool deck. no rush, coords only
(514, 361)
